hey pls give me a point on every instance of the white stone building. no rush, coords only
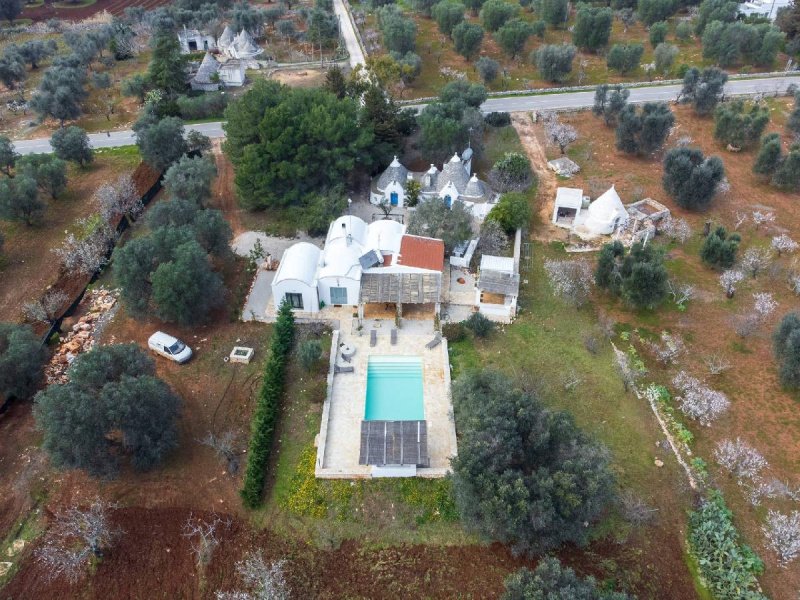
(192, 40)
(767, 9)
(601, 217)
(212, 75)
(360, 263)
(454, 183)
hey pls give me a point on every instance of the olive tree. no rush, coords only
(21, 360)
(512, 173)
(551, 581)
(190, 179)
(691, 178)
(433, 218)
(72, 144)
(786, 347)
(524, 475)
(111, 390)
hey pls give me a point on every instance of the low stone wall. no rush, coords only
(322, 438)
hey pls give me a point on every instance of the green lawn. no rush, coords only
(377, 512)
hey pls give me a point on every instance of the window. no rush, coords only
(295, 300)
(338, 295)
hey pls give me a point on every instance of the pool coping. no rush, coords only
(321, 438)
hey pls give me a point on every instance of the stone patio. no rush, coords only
(338, 443)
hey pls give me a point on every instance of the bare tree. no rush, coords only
(85, 255)
(717, 364)
(46, 308)
(262, 581)
(698, 401)
(676, 229)
(559, 133)
(493, 240)
(119, 199)
(764, 305)
(740, 459)
(681, 292)
(628, 371)
(741, 217)
(571, 279)
(669, 349)
(745, 325)
(762, 218)
(75, 536)
(225, 447)
(204, 536)
(728, 280)
(794, 283)
(783, 244)
(754, 261)
(761, 488)
(635, 510)
(783, 535)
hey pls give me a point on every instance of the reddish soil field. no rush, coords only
(761, 413)
(115, 7)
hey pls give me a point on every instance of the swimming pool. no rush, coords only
(394, 389)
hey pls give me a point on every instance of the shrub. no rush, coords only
(479, 325)
(690, 178)
(210, 104)
(512, 173)
(267, 408)
(454, 332)
(308, 353)
(512, 212)
(497, 119)
(728, 567)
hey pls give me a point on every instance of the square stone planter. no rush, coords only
(241, 354)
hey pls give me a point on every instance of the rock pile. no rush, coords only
(81, 337)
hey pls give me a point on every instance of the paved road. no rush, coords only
(769, 86)
(348, 33)
(112, 139)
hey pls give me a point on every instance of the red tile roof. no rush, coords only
(421, 252)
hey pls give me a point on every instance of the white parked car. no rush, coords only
(169, 347)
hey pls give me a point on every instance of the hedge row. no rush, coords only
(266, 413)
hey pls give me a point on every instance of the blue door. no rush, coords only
(393, 198)
(338, 295)
(448, 201)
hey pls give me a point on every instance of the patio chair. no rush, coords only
(373, 338)
(437, 339)
(346, 358)
(394, 337)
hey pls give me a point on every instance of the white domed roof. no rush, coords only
(384, 236)
(299, 262)
(347, 225)
(606, 213)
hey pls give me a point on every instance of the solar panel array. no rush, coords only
(394, 443)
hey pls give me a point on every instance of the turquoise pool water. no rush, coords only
(394, 389)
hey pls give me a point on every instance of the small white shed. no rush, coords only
(296, 278)
(567, 206)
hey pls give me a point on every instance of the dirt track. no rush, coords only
(115, 7)
(548, 183)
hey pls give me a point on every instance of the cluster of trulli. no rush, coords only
(239, 46)
(238, 52)
(454, 182)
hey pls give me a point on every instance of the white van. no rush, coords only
(169, 347)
